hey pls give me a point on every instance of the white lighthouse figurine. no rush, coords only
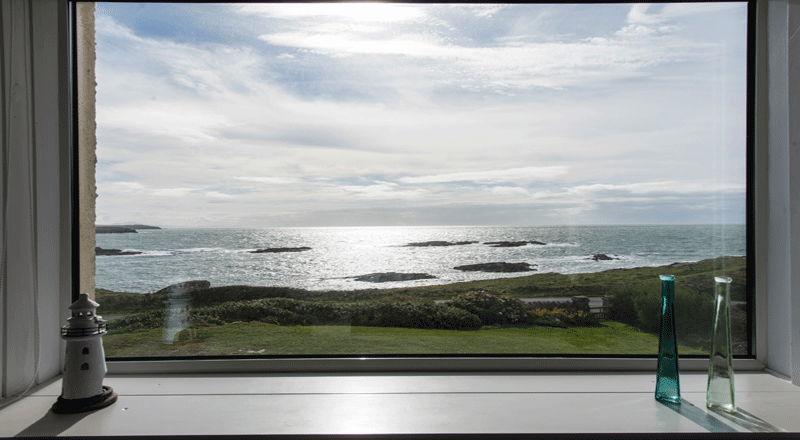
(82, 387)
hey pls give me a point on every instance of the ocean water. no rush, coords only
(337, 255)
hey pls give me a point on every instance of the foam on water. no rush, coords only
(223, 256)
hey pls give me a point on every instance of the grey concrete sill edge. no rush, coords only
(409, 365)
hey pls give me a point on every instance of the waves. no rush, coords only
(338, 255)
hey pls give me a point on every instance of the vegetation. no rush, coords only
(491, 306)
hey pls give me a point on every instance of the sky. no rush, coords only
(377, 114)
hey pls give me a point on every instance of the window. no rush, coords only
(774, 198)
(431, 116)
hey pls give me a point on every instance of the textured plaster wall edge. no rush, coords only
(87, 143)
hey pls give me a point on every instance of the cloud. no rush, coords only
(512, 191)
(639, 12)
(124, 187)
(635, 31)
(219, 195)
(484, 11)
(171, 192)
(675, 188)
(514, 65)
(271, 180)
(380, 191)
(367, 12)
(509, 62)
(527, 174)
(415, 45)
(435, 105)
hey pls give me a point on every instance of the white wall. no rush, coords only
(782, 124)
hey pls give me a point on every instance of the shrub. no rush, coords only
(414, 315)
(492, 309)
(622, 308)
(128, 302)
(641, 307)
(285, 311)
(648, 311)
(694, 315)
(144, 320)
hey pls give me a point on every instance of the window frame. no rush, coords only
(757, 256)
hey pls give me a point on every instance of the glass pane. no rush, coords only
(350, 179)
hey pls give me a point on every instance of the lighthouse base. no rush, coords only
(72, 406)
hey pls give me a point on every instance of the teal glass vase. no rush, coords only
(720, 365)
(668, 387)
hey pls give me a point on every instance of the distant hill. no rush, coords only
(119, 229)
(137, 227)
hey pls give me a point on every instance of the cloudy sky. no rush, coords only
(272, 115)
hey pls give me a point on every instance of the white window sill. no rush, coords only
(404, 403)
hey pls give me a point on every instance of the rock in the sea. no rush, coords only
(511, 243)
(496, 267)
(283, 249)
(384, 277)
(601, 257)
(440, 243)
(185, 287)
(101, 251)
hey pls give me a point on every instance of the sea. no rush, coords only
(340, 254)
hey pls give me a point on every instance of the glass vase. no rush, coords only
(667, 384)
(720, 365)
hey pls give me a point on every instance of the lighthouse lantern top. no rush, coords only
(84, 319)
(84, 303)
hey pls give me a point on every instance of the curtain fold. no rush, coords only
(34, 203)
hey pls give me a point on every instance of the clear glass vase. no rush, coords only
(720, 365)
(668, 387)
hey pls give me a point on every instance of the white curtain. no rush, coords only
(35, 268)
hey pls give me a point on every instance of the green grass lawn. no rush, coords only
(259, 338)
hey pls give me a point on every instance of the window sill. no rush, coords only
(405, 403)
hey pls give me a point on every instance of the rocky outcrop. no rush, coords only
(497, 267)
(185, 287)
(282, 249)
(384, 277)
(601, 257)
(101, 251)
(113, 230)
(511, 243)
(440, 243)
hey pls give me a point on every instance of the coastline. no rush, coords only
(694, 276)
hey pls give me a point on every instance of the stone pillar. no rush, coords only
(87, 143)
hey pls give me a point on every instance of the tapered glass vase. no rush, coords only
(720, 365)
(668, 387)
